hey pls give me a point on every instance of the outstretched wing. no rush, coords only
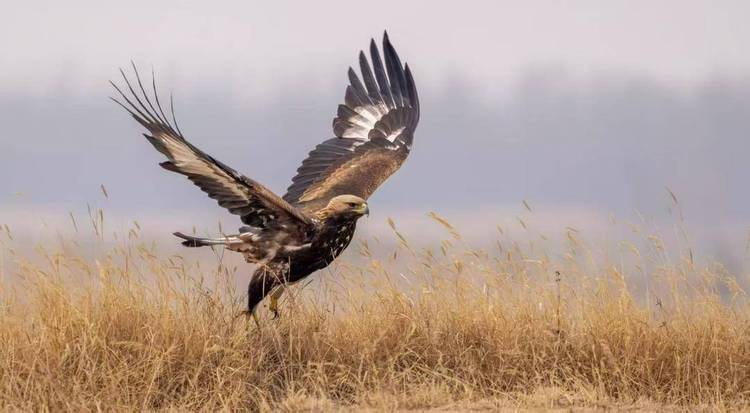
(257, 206)
(374, 131)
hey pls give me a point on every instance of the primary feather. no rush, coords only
(374, 131)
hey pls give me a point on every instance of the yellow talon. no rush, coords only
(274, 304)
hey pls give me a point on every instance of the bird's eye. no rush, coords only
(351, 204)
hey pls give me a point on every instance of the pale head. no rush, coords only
(349, 206)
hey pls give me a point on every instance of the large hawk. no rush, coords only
(292, 236)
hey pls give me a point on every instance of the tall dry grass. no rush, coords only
(447, 326)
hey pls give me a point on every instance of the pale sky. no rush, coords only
(258, 47)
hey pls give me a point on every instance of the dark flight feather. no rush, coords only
(240, 195)
(383, 108)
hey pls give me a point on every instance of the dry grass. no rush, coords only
(452, 327)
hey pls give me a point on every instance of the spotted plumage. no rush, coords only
(292, 236)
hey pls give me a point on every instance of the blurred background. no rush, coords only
(589, 111)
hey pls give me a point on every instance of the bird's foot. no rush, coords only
(274, 308)
(250, 314)
(273, 304)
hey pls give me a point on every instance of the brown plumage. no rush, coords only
(292, 236)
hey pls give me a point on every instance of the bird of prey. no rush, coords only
(291, 236)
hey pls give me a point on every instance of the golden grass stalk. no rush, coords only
(133, 329)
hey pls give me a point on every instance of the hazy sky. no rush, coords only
(255, 47)
(584, 108)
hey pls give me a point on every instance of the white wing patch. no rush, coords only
(357, 122)
(392, 137)
(293, 248)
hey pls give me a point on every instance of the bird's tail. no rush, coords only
(191, 241)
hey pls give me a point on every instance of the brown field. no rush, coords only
(448, 327)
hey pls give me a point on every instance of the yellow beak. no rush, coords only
(363, 210)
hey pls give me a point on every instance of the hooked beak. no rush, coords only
(364, 210)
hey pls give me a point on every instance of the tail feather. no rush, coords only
(191, 241)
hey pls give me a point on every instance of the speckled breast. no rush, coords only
(324, 248)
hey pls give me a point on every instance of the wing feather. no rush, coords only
(395, 72)
(380, 76)
(358, 87)
(240, 195)
(374, 131)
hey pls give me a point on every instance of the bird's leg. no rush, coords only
(250, 314)
(274, 304)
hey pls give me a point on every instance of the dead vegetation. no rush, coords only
(409, 328)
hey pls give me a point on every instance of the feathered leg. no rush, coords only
(274, 304)
(264, 280)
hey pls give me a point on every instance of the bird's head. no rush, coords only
(346, 206)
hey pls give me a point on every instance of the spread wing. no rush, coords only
(257, 206)
(374, 131)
